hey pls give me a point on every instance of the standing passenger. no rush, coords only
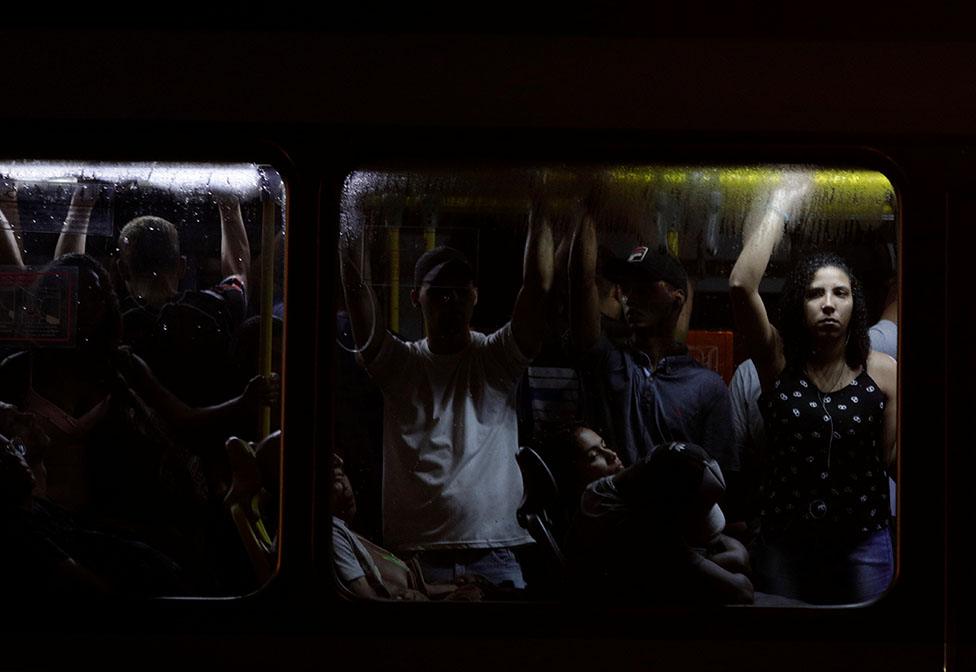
(828, 404)
(653, 391)
(451, 485)
(184, 336)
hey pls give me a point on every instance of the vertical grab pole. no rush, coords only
(394, 239)
(267, 301)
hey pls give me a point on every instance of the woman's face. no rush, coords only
(593, 458)
(829, 302)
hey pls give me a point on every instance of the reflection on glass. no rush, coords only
(141, 312)
(647, 384)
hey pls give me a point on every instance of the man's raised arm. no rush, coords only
(10, 254)
(235, 250)
(584, 298)
(365, 317)
(74, 232)
(529, 314)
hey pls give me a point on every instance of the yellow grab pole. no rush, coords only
(267, 302)
(673, 245)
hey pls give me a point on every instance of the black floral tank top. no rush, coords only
(824, 469)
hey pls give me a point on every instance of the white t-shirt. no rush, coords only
(747, 423)
(450, 434)
(349, 555)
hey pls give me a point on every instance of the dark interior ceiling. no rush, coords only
(755, 19)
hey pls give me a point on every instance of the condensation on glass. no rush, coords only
(141, 316)
(697, 214)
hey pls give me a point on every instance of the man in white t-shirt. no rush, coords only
(451, 485)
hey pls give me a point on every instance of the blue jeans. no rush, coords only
(497, 565)
(822, 570)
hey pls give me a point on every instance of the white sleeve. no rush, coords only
(347, 564)
(503, 360)
(884, 338)
(743, 389)
(388, 364)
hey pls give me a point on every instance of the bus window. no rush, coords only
(654, 384)
(141, 311)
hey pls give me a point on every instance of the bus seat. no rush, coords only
(540, 496)
(243, 502)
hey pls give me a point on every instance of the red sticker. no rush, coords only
(38, 307)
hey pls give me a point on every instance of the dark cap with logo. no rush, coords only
(645, 265)
(675, 475)
(443, 266)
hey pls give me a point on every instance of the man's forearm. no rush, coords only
(235, 249)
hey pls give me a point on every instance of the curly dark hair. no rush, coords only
(797, 339)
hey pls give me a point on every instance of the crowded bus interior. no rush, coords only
(142, 314)
(609, 443)
(628, 383)
(627, 336)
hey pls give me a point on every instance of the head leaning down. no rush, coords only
(149, 258)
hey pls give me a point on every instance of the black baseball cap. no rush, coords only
(675, 476)
(688, 465)
(645, 265)
(443, 265)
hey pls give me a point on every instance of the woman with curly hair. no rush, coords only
(829, 406)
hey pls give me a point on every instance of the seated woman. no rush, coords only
(652, 531)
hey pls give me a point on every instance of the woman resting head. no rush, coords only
(653, 531)
(679, 483)
(579, 456)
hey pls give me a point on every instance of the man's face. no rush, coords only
(649, 305)
(342, 500)
(447, 308)
(829, 302)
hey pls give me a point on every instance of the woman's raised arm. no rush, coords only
(762, 235)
